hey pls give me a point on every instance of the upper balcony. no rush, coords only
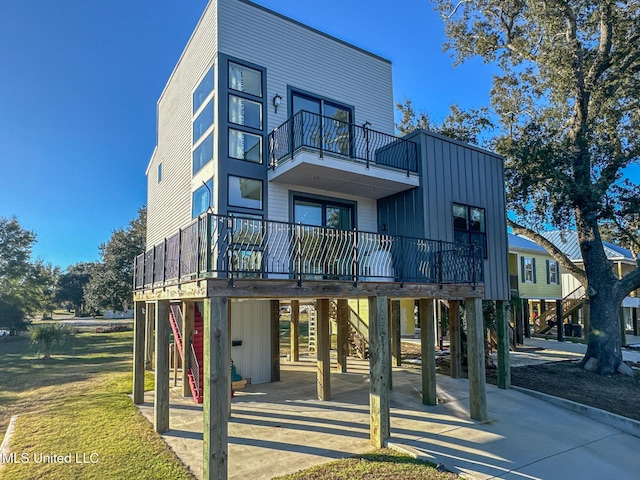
(316, 151)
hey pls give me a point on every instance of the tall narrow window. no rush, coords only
(202, 122)
(159, 172)
(528, 269)
(202, 199)
(203, 90)
(203, 154)
(245, 112)
(553, 272)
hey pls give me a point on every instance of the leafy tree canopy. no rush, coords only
(111, 283)
(568, 100)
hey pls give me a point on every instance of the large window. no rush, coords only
(202, 122)
(310, 211)
(469, 226)
(245, 79)
(203, 154)
(202, 199)
(245, 112)
(553, 272)
(326, 126)
(528, 269)
(245, 192)
(245, 146)
(203, 90)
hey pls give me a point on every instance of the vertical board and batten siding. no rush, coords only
(299, 57)
(279, 205)
(251, 323)
(454, 172)
(169, 202)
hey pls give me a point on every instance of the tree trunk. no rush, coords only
(605, 298)
(604, 335)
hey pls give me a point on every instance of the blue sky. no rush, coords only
(79, 81)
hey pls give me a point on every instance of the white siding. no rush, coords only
(299, 57)
(169, 202)
(251, 323)
(279, 205)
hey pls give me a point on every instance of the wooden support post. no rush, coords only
(323, 348)
(275, 340)
(149, 339)
(161, 396)
(138, 353)
(439, 335)
(217, 389)
(396, 340)
(295, 330)
(379, 361)
(455, 346)
(188, 314)
(634, 317)
(343, 335)
(519, 335)
(502, 325)
(428, 350)
(475, 355)
(623, 328)
(559, 321)
(527, 319)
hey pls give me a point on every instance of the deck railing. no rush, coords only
(332, 136)
(234, 247)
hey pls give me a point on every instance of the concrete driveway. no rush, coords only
(279, 428)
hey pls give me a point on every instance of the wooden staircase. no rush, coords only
(194, 370)
(570, 304)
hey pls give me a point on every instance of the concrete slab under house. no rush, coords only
(277, 180)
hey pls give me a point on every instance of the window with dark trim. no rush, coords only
(323, 213)
(202, 199)
(469, 226)
(245, 192)
(528, 269)
(553, 272)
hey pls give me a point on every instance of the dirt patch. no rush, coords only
(565, 379)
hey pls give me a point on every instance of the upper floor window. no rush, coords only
(202, 199)
(203, 154)
(159, 172)
(245, 192)
(245, 146)
(202, 122)
(245, 112)
(203, 90)
(528, 269)
(245, 79)
(469, 226)
(553, 272)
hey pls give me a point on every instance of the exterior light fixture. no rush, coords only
(366, 124)
(277, 100)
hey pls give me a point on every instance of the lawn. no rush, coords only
(77, 406)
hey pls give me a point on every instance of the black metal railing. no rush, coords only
(234, 247)
(327, 135)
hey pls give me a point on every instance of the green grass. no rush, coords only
(383, 464)
(78, 403)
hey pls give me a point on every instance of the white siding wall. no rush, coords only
(279, 205)
(301, 58)
(169, 202)
(251, 323)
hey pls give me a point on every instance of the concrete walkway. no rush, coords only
(280, 428)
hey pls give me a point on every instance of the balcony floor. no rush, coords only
(289, 289)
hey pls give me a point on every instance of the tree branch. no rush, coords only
(631, 281)
(554, 251)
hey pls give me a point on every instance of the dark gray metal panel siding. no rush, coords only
(453, 172)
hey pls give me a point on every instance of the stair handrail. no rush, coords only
(195, 370)
(175, 320)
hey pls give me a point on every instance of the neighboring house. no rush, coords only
(535, 278)
(277, 177)
(622, 262)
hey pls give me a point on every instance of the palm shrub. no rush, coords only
(47, 335)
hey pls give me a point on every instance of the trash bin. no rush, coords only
(567, 330)
(577, 330)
